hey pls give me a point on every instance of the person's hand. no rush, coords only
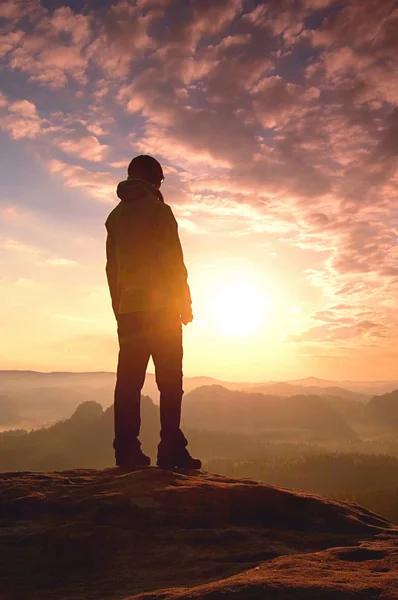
(186, 316)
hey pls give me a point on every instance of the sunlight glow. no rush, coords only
(239, 308)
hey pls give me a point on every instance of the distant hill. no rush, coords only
(34, 406)
(9, 415)
(218, 422)
(365, 387)
(85, 439)
(44, 398)
(35, 399)
(218, 409)
(290, 389)
(353, 412)
(384, 410)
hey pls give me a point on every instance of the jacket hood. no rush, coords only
(136, 189)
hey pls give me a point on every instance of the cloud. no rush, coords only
(359, 24)
(210, 17)
(21, 128)
(49, 64)
(10, 212)
(64, 21)
(152, 3)
(9, 41)
(22, 120)
(360, 51)
(343, 323)
(18, 246)
(9, 9)
(23, 108)
(22, 248)
(53, 49)
(87, 147)
(231, 67)
(61, 262)
(178, 44)
(100, 185)
(275, 100)
(368, 247)
(343, 333)
(3, 100)
(192, 129)
(125, 35)
(13, 10)
(120, 164)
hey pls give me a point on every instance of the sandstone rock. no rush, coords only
(87, 534)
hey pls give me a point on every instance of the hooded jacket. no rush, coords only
(145, 264)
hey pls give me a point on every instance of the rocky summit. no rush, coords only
(88, 534)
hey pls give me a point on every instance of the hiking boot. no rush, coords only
(135, 460)
(180, 459)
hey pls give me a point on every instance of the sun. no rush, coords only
(239, 308)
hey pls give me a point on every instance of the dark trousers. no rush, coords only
(141, 335)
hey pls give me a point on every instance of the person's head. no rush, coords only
(147, 168)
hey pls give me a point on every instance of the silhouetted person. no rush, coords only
(151, 298)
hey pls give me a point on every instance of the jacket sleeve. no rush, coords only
(173, 260)
(111, 272)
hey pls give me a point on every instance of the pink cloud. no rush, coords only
(152, 3)
(362, 325)
(54, 49)
(360, 52)
(274, 100)
(18, 246)
(95, 128)
(231, 71)
(157, 140)
(359, 24)
(177, 51)
(119, 164)
(9, 41)
(61, 262)
(285, 18)
(343, 61)
(100, 185)
(22, 120)
(317, 4)
(367, 247)
(3, 100)
(10, 213)
(86, 146)
(49, 63)
(11, 9)
(330, 333)
(23, 108)
(125, 35)
(63, 20)
(213, 17)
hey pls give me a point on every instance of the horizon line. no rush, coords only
(201, 376)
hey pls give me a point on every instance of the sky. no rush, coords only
(277, 126)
